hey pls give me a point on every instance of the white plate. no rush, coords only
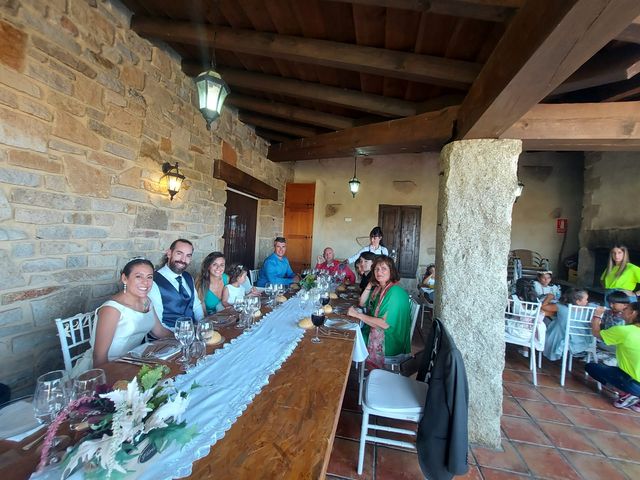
(16, 418)
(163, 354)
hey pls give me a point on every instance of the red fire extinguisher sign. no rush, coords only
(561, 225)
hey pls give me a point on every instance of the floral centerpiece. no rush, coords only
(135, 419)
(308, 282)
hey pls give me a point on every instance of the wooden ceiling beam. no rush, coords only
(378, 61)
(277, 125)
(274, 136)
(604, 68)
(579, 126)
(489, 11)
(420, 133)
(260, 82)
(282, 110)
(544, 44)
(631, 34)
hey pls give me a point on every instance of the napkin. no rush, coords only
(17, 418)
(162, 350)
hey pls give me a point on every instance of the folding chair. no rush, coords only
(521, 323)
(74, 333)
(578, 327)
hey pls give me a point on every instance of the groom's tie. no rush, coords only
(181, 288)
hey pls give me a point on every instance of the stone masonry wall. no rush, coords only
(88, 113)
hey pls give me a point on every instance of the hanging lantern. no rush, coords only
(212, 91)
(354, 183)
(174, 178)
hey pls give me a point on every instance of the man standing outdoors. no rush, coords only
(328, 263)
(276, 268)
(173, 293)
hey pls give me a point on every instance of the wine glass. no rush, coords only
(205, 329)
(317, 318)
(185, 334)
(51, 396)
(85, 384)
(239, 306)
(198, 348)
(324, 297)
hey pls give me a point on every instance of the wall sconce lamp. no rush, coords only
(212, 92)
(354, 183)
(519, 189)
(174, 178)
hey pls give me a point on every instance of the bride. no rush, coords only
(124, 321)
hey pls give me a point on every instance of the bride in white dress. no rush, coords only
(123, 321)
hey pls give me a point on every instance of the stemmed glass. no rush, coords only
(52, 394)
(185, 334)
(198, 348)
(239, 306)
(86, 384)
(269, 290)
(317, 318)
(205, 329)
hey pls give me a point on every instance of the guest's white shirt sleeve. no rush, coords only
(156, 301)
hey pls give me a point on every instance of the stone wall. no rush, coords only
(88, 113)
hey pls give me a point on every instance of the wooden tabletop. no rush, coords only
(287, 431)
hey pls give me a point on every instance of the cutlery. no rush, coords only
(133, 358)
(131, 362)
(32, 444)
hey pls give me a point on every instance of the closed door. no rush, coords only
(298, 223)
(401, 229)
(240, 229)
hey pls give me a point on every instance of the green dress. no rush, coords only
(397, 306)
(211, 301)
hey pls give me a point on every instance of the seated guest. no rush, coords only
(388, 323)
(364, 264)
(211, 281)
(375, 237)
(173, 293)
(554, 342)
(626, 376)
(612, 316)
(545, 291)
(328, 263)
(428, 283)
(235, 288)
(276, 268)
(124, 321)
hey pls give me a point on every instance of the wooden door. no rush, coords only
(298, 223)
(240, 229)
(401, 229)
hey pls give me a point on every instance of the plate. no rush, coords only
(161, 349)
(17, 418)
(222, 319)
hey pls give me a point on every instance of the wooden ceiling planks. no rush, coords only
(400, 32)
(369, 25)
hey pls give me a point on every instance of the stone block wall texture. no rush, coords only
(89, 111)
(476, 194)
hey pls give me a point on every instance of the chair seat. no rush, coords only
(408, 395)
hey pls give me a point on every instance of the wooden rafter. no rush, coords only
(545, 43)
(631, 34)
(579, 126)
(273, 136)
(260, 82)
(424, 132)
(282, 110)
(277, 125)
(407, 66)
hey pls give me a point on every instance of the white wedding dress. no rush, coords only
(130, 332)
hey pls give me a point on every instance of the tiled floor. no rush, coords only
(548, 432)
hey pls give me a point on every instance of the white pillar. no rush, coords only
(478, 181)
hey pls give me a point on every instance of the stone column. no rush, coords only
(476, 194)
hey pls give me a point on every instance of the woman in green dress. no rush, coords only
(387, 321)
(211, 282)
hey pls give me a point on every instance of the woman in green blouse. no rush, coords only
(620, 273)
(388, 318)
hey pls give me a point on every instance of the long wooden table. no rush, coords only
(287, 431)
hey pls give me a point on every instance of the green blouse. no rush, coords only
(211, 301)
(628, 280)
(397, 306)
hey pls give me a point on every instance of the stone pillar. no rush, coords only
(476, 194)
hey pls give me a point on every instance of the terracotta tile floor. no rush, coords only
(548, 432)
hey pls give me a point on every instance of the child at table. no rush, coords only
(234, 289)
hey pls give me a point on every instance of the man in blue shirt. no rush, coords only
(276, 268)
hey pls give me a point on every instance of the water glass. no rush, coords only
(86, 384)
(205, 330)
(184, 333)
(52, 394)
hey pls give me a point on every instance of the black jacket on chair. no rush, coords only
(442, 440)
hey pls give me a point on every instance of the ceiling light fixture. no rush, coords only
(354, 183)
(212, 92)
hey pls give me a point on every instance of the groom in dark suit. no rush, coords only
(173, 293)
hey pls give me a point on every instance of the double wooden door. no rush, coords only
(401, 229)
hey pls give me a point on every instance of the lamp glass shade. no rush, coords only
(174, 183)
(212, 92)
(354, 186)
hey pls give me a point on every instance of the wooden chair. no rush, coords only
(75, 334)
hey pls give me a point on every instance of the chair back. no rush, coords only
(579, 324)
(75, 335)
(521, 322)
(415, 311)
(253, 276)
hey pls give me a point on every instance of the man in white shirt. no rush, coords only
(173, 293)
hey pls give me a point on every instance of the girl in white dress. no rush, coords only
(234, 289)
(124, 321)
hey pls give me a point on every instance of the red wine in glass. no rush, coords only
(324, 299)
(317, 318)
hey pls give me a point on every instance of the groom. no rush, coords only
(173, 293)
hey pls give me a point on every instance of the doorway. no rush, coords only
(240, 229)
(401, 229)
(298, 223)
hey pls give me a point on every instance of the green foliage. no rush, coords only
(148, 376)
(308, 282)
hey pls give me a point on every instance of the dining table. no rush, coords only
(286, 431)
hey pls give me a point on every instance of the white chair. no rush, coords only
(74, 333)
(521, 324)
(253, 276)
(578, 326)
(391, 396)
(392, 363)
